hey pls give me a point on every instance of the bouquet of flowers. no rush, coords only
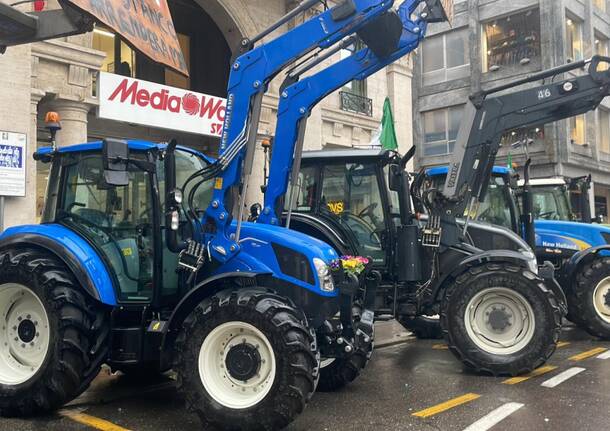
(350, 264)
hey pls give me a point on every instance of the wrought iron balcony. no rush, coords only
(354, 103)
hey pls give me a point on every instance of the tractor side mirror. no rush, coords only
(395, 178)
(116, 161)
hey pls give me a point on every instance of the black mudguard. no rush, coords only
(569, 271)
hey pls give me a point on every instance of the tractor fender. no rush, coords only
(203, 290)
(577, 260)
(76, 253)
(318, 228)
(495, 256)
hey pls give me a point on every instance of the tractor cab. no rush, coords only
(116, 204)
(347, 189)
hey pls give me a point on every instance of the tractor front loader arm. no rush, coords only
(388, 38)
(486, 119)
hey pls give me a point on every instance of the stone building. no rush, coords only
(493, 42)
(60, 75)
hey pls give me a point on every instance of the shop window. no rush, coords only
(440, 130)
(603, 122)
(511, 41)
(445, 57)
(577, 129)
(120, 58)
(176, 79)
(574, 44)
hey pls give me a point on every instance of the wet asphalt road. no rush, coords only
(400, 380)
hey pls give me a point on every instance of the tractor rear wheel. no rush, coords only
(53, 338)
(501, 319)
(589, 299)
(423, 327)
(246, 360)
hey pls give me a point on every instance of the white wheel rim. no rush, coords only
(602, 291)
(217, 379)
(500, 321)
(24, 334)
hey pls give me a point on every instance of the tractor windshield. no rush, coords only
(551, 202)
(117, 220)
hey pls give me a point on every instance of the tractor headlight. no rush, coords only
(324, 275)
(175, 220)
(532, 262)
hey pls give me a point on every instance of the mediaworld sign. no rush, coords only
(155, 105)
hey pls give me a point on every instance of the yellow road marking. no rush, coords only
(563, 344)
(440, 347)
(587, 354)
(91, 421)
(537, 372)
(439, 408)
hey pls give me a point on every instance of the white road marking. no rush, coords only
(496, 416)
(605, 355)
(562, 377)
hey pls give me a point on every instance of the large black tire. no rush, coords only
(581, 299)
(78, 330)
(547, 316)
(423, 327)
(294, 347)
(342, 371)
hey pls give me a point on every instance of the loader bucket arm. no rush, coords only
(249, 78)
(388, 38)
(486, 119)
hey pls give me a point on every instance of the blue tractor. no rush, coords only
(579, 252)
(121, 272)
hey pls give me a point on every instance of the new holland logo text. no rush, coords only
(189, 103)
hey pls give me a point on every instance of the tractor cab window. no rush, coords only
(187, 164)
(551, 203)
(496, 208)
(351, 196)
(117, 220)
(306, 190)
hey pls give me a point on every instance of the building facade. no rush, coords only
(61, 75)
(493, 42)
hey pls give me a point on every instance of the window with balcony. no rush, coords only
(511, 41)
(574, 43)
(577, 129)
(440, 130)
(603, 130)
(445, 57)
(354, 94)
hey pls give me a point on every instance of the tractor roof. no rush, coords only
(350, 154)
(442, 170)
(134, 145)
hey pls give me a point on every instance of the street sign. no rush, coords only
(150, 104)
(145, 24)
(13, 147)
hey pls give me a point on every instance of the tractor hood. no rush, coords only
(570, 235)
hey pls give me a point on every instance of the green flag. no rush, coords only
(388, 134)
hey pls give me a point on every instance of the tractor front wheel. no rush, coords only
(589, 299)
(246, 360)
(53, 339)
(501, 319)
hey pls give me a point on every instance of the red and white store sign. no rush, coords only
(155, 105)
